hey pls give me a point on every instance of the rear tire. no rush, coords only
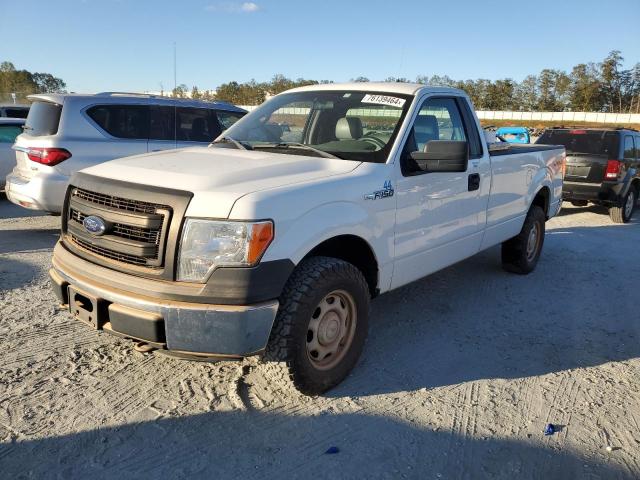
(521, 253)
(623, 212)
(321, 325)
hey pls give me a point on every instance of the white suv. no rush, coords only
(66, 133)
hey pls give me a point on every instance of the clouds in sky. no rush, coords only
(233, 7)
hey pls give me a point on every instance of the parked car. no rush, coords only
(514, 134)
(10, 128)
(258, 245)
(603, 167)
(13, 110)
(65, 133)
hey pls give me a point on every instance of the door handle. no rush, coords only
(474, 182)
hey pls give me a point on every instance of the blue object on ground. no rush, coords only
(549, 429)
(332, 450)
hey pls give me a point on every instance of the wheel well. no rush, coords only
(354, 250)
(542, 200)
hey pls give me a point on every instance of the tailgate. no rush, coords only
(586, 168)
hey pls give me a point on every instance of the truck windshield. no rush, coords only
(350, 125)
(591, 142)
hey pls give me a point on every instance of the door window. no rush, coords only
(437, 119)
(162, 124)
(226, 119)
(629, 148)
(122, 121)
(196, 125)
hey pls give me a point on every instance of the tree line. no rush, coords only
(590, 87)
(604, 86)
(23, 82)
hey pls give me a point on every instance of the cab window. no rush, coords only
(437, 119)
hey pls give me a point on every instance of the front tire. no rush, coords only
(623, 212)
(521, 253)
(322, 323)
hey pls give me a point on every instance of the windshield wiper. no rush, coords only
(236, 143)
(301, 146)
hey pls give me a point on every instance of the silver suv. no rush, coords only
(66, 133)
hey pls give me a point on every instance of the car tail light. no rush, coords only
(48, 156)
(577, 132)
(614, 168)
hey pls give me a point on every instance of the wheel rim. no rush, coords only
(628, 206)
(533, 241)
(331, 329)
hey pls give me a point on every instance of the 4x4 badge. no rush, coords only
(386, 192)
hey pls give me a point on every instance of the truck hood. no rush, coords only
(219, 176)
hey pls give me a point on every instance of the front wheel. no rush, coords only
(623, 212)
(322, 323)
(521, 253)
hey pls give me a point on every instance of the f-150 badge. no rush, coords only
(387, 191)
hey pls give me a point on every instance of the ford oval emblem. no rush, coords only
(94, 225)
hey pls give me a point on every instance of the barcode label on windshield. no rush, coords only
(384, 100)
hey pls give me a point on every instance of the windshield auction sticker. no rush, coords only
(384, 100)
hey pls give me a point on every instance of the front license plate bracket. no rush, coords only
(86, 308)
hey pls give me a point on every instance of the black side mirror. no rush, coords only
(443, 156)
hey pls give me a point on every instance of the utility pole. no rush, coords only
(175, 62)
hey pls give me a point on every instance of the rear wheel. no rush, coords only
(623, 212)
(322, 323)
(521, 253)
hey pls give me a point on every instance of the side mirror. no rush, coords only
(443, 156)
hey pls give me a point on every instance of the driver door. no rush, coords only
(440, 215)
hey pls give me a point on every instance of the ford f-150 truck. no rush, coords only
(274, 239)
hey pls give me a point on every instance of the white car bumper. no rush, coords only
(40, 192)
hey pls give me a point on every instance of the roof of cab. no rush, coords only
(386, 87)
(114, 97)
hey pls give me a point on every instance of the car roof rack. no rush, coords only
(125, 94)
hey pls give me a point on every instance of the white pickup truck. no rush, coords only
(274, 240)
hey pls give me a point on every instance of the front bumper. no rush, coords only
(40, 192)
(184, 328)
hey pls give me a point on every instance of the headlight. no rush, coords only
(207, 244)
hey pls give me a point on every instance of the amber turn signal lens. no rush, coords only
(261, 237)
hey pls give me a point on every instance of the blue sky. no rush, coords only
(97, 45)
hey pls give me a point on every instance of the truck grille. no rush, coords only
(135, 230)
(116, 202)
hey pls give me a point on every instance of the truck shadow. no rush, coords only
(252, 444)
(28, 240)
(473, 321)
(16, 273)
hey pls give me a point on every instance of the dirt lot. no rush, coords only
(460, 374)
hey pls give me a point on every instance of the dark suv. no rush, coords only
(603, 167)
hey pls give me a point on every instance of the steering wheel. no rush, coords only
(370, 138)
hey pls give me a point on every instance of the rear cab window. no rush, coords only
(581, 141)
(43, 119)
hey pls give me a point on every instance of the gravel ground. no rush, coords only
(460, 374)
